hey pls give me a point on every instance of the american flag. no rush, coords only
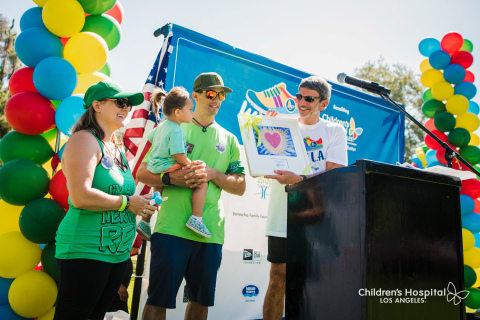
(143, 118)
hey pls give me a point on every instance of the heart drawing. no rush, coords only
(273, 138)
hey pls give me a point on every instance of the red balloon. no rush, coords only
(30, 113)
(58, 189)
(441, 156)
(477, 205)
(64, 40)
(451, 42)
(21, 80)
(116, 12)
(471, 188)
(463, 58)
(430, 125)
(431, 143)
(469, 76)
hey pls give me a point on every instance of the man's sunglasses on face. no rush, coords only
(307, 98)
(210, 94)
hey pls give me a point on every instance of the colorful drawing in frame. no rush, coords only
(275, 141)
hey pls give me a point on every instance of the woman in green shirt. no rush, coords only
(95, 237)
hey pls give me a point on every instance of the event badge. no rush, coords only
(107, 162)
(220, 147)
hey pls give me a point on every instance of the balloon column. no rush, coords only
(454, 119)
(64, 45)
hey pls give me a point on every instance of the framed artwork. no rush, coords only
(273, 143)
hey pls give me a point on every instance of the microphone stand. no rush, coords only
(449, 152)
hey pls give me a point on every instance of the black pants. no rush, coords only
(87, 288)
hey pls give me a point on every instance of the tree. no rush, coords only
(406, 90)
(9, 63)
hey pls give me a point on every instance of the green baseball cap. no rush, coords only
(109, 89)
(209, 80)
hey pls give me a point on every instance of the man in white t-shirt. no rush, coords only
(326, 145)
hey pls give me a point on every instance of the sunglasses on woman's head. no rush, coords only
(307, 98)
(210, 94)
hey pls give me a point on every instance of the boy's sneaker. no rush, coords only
(198, 226)
(144, 230)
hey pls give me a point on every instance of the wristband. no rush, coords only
(304, 177)
(128, 202)
(124, 203)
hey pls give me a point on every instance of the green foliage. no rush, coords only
(9, 63)
(406, 90)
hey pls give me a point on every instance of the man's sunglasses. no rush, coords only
(122, 103)
(307, 98)
(210, 94)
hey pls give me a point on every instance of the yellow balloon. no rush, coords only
(468, 121)
(468, 239)
(457, 104)
(40, 3)
(421, 155)
(477, 283)
(63, 18)
(425, 65)
(85, 80)
(18, 254)
(472, 257)
(32, 294)
(442, 90)
(468, 310)
(10, 215)
(431, 77)
(48, 316)
(474, 140)
(86, 51)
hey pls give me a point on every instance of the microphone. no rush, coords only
(367, 85)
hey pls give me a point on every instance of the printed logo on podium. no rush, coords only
(250, 293)
(251, 256)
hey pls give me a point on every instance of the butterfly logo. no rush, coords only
(455, 296)
(354, 131)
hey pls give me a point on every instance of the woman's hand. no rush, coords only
(140, 205)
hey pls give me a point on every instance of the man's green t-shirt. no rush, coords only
(219, 149)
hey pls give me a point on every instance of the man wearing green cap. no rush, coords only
(176, 252)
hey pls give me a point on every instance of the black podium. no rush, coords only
(370, 240)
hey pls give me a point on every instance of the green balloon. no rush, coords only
(471, 154)
(459, 137)
(444, 121)
(21, 181)
(15, 145)
(97, 6)
(427, 95)
(431, 107)
(106, 27)
(49, 263)
(40, 219)
(467, 45)
(106, 69)
(473, 299)
(50, 135)
(424, 147)
(469, 275)
(56, 103)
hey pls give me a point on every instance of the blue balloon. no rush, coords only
(467, 89)
(68, 113)
(428, 45)
(4, 287)
(35, 44)
(32, 18)
(439, 59)
(466, 204)
(60, 152)
(454, 73)
(435, 164)
(477, 239)
(417, 161)
(55, 78)
(431, 156)
(7, 313)
(471, 222)
(473, 107)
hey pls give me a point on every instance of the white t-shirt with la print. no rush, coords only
(324, 141)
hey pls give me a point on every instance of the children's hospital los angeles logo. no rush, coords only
(352, 128)
(415, 296)
(275, 98)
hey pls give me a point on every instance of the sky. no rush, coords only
(320, 37)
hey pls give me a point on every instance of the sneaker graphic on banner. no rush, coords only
(144, 230)
(198, 226)
(276, 98)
